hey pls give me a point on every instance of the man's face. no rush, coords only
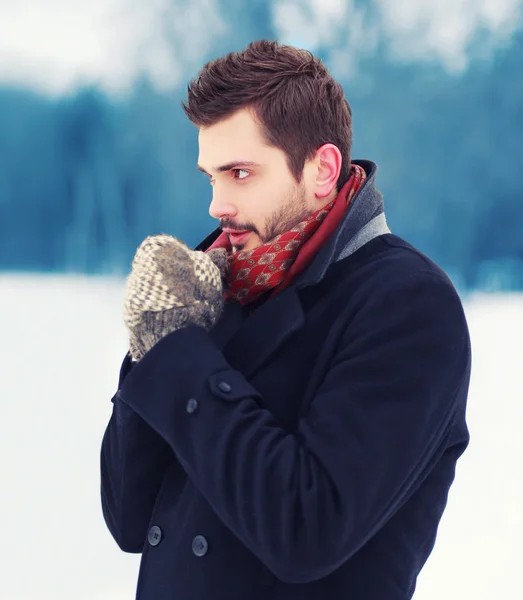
(255, 195)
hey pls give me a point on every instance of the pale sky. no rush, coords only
(413, 30)
(55, 45)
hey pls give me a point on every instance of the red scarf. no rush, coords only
(274, 265)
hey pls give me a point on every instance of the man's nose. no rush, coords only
(220, 207)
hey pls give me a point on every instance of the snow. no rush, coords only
(62, 343)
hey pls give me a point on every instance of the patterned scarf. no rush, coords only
(252, 273)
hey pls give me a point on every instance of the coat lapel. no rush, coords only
(263, 332)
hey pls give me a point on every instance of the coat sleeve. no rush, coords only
(305, 502)
(133, 461)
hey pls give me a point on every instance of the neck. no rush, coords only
(326, 201)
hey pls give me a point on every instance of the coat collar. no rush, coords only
(364, 208)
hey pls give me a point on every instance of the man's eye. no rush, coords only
(240, 174)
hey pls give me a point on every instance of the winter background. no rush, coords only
(95, 154)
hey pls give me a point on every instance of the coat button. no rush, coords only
(224, 387)
(192, 405)
(200, 546)
(154, 536)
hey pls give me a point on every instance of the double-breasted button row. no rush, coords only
(200, 545)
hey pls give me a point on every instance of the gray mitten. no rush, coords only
(170, 287)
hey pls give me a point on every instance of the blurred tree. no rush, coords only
(95, 230)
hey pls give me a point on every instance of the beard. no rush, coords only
(292, 211)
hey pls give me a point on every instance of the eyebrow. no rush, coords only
(231, 165)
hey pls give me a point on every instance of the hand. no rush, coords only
(170, 287)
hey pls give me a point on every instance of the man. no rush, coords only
(290, 413)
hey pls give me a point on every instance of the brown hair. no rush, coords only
(297, 101)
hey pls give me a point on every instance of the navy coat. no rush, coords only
(304, 451)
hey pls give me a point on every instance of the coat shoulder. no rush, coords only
(389, 272)
(411, 257)
(390, 260)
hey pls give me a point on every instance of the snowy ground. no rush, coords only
(61, 345)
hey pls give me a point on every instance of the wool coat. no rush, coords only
(303, 450)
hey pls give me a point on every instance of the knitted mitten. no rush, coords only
(170, 287)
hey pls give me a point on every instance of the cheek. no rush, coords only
(268, 197)
(260, 199)
(254, 203)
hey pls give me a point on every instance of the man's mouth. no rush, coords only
(236, 237)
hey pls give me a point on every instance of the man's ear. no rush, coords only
(328, 162)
